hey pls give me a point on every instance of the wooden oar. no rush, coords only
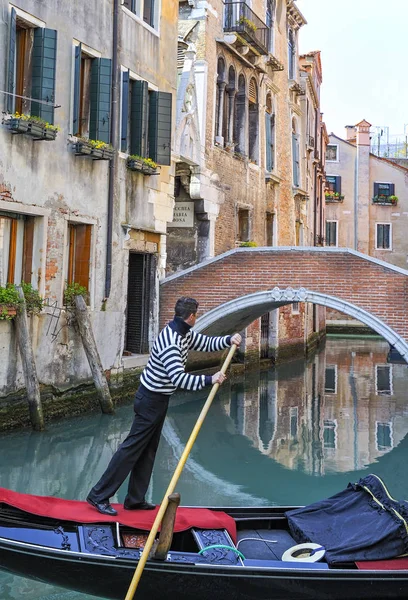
(149, 543)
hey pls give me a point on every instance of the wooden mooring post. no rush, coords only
(91, 351)
(29, 368)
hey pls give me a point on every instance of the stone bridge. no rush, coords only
(237, 287)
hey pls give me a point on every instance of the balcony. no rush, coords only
(239, 18)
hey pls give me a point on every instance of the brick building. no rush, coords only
(250, 145)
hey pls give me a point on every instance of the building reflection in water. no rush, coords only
(338, 412)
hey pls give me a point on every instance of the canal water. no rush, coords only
(289, 436)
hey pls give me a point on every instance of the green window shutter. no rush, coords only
(338, 184)
(125, 111)
(44, 67)
(268, 142)
(100, 99)
(376, 189)
(392, 189)
(11, 77)
(138, 117)
(77, 88)
(160, 127)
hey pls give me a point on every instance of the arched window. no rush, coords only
(230, 96)
(270, 22)
(240, 117)
(253, 121)
(291, 54)
(220, 102)
(270, 133)
(295, 155)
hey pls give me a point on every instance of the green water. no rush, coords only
(286, 436)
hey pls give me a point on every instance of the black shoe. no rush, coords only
(139, 506)
(103, 507)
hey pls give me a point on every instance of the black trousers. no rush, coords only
(137, 452)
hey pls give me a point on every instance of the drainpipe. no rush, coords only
(113, 138)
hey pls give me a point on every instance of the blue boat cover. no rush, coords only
(363, 522)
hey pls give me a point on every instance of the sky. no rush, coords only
(364, 53)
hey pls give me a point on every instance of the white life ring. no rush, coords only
(304, 553)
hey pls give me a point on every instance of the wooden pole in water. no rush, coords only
(149, 543)
(92, 354)
(29, 368)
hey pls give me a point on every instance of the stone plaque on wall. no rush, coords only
(183, 215)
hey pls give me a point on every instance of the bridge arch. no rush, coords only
(240, 312)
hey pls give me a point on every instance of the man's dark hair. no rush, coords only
(185, 307)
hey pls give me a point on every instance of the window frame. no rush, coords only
(330, 425)
(391, 432)
(240, 211)
(73, 220)
(136, 11)
(389, 249)
(326, 389)
(337, 233)
(390, 390)
(337, 159)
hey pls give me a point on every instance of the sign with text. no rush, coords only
(183, 215)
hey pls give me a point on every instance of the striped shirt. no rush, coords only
(165, 370)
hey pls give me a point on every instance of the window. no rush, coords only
(384, 437)
(293, 415)
(220, 114)
(295, 155)
(229, 109)
(16, 248)
(31, 68)
(295, 308)
(331, 233)
(383, 380)
(333, 184)
(298, 233)
(92, 96)
(332, 153)
(383, 236)
(270, 133)
(330, 434)
(291, 54)
(330, 380)
(145, 9)
(79, 253)
(269, 222)
(243, 225)
(240, 117)
(383, 190)
(146, 120)
(270, 22)
(253, 121)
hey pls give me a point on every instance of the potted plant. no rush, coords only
(147, 166)
(72, 290)
(393, 199)
(9, 302)
(247, 23)
(247, 245)
(34, 302)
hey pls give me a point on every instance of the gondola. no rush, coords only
(217, 553)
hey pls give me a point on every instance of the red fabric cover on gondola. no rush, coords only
(82, 512)
(393, 564)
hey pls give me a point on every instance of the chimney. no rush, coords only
(362, 231)
(351, 132)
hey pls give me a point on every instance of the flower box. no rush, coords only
(385, 200)
(50, 134)
(141, 166)
(84, 148)
(17, 125)
(334, 198)
(7, 311)
(36, 129)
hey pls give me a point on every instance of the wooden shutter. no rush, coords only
(77, 88)
(160, 127)
(125, 111)
(28, 245)
(10, 103)
(268, 142)
(138, 117)
(338, 184)
(82, 254)
(100, 99)
(253, 93)
(44, 67)
(392, 189)
(376, 189)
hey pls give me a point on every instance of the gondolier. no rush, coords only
(162, 376)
